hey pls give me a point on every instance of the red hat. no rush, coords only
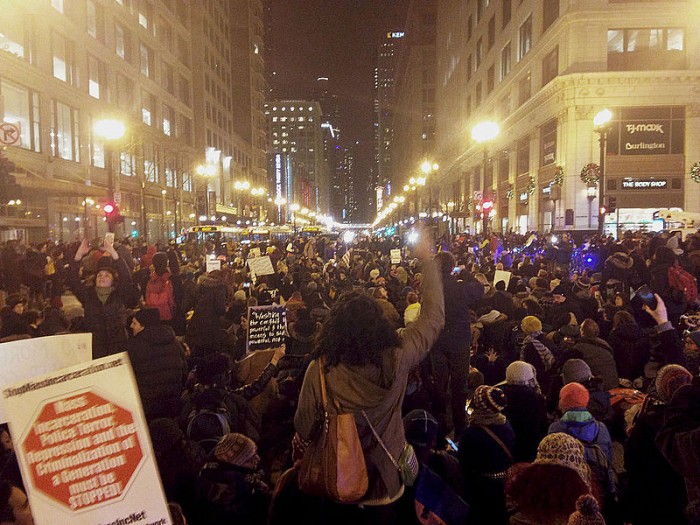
(573, 395)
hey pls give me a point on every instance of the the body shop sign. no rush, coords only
(647, 131)
(644, 184)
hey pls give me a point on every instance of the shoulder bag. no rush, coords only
(407, 464)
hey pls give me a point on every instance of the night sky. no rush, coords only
(338, 39)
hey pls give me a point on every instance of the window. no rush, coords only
(492, 31)
(184, 91)
(146, 16)
(550, 13)
(524, 156)
(22, 106)
(525, 38)
(186, 182)
(506, 61)
(150, 164)
(490, 79)
(16, 34)
(122, 42)
(550, 66)
(524, 89)
(168, 78)
(97, 157)
(640, 49)
(125, 92)
(469, 67)
(126, 164)
(96, 78)
(503, 167)
(95, 20)
(146, 61)
(479, 51)
(185, 129)
(168, 120)
(65, 132)
(470, 27)
(477, 95)
(63, 58)
(507, 9)
(148, 108)
(183, 50)
(548, 143)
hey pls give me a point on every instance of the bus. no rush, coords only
(225, 234)
(677, 221)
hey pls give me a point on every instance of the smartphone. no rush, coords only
(109, 238)
(452, 445)
(246, 285)
(456, 270)
(643, 296)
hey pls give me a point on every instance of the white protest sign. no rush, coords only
(254, 252)
(213, 264)
(261, 265)
(32, 357)
(501, 275)
(83, 446)
(395, 256)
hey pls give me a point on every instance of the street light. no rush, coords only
(601, 125)
(483, 133)
(294, 208)
(591, 193)
(279, 202)
(109, 130)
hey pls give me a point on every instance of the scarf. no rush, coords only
(544, 352)
(104, 293)
(485, 418)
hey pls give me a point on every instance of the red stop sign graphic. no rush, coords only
(82, 450)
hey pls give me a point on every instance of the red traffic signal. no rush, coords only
(109, 209)
(487, 205)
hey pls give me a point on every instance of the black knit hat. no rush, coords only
(420, 427)
(148, 317)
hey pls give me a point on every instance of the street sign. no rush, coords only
(117, 197)
(478, 195)
(10, 133)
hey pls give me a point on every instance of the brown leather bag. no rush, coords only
(333, 465)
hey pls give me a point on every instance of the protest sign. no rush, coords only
(32, 357)
(254, 252)
(213, 264)
(501, 275)
(83, 446)
(267, 326)
(395, 256)
(261, 265)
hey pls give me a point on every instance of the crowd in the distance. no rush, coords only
(533, 389)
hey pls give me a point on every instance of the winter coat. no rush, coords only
(631, 350)
(580, 424)
(460, 296)
(160, 368)
(106, 322)
(659, 284)
(12, 323)
(599, 357)
(210, 305)
(530, 355)
(526, 411)
(353, 389)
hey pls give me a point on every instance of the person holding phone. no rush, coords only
(105, 299)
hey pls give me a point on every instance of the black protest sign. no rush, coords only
(267, 326)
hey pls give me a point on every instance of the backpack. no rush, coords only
(684, 287)
(602, 473)
(208, 425)
(163, 299)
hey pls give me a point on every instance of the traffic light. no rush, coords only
(487, 206)
(112, 215)
(9, 189)
(612, 204)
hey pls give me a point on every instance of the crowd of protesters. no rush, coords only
(542, 381)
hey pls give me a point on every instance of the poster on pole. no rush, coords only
(501, 275)
(395, 255)
(33, 357)
(83, 446)
(213, 264)
(267, 326)
(261, 265)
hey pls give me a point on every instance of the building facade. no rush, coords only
(64, 66)
(542, 70)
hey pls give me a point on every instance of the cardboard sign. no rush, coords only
(254, 252)
(267, 326)
(213, 264)
(395, 256)
(261, 265)
(501, 275)
(33, 357)
(83, 446)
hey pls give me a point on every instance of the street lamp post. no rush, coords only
(109, 130)
(601, 126)
(483, 133)
(279, 202)
(294, 208)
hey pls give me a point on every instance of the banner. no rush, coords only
(261, 265)
(83, 446)
(33, 357)
(267, 326)
(501, 275)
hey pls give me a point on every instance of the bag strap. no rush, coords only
(381, 443)
(497, 440)
(324, 395)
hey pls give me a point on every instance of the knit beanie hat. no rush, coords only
(239, 295)
(573, 395)
(489, 399)
(160, 262)
(669, 379)
(420, 428)
(531, 325)
(521, 373)
(566, 451)
(235, 449)
(587, 512)
(148, 317)
(576, 371)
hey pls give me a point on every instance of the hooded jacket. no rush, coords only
(579, 423)
(631, 350)
(599, 357)
(379, 392)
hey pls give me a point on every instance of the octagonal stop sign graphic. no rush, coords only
(82, 450)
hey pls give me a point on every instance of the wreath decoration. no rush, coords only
(531, 186)
(559, 176)
(469, 204)
(510, 194)
(590, 174)
(695, 172)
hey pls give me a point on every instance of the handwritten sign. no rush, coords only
(395, 256)
(83, 446)
(213, 264)
(33, 357)
(254, 252)
(267, 326)
(261, 265)
(501, 275)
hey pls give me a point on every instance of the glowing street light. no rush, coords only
(206, 170)
(485, 131)
(109, 129)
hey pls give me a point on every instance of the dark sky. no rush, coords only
(333, 38)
